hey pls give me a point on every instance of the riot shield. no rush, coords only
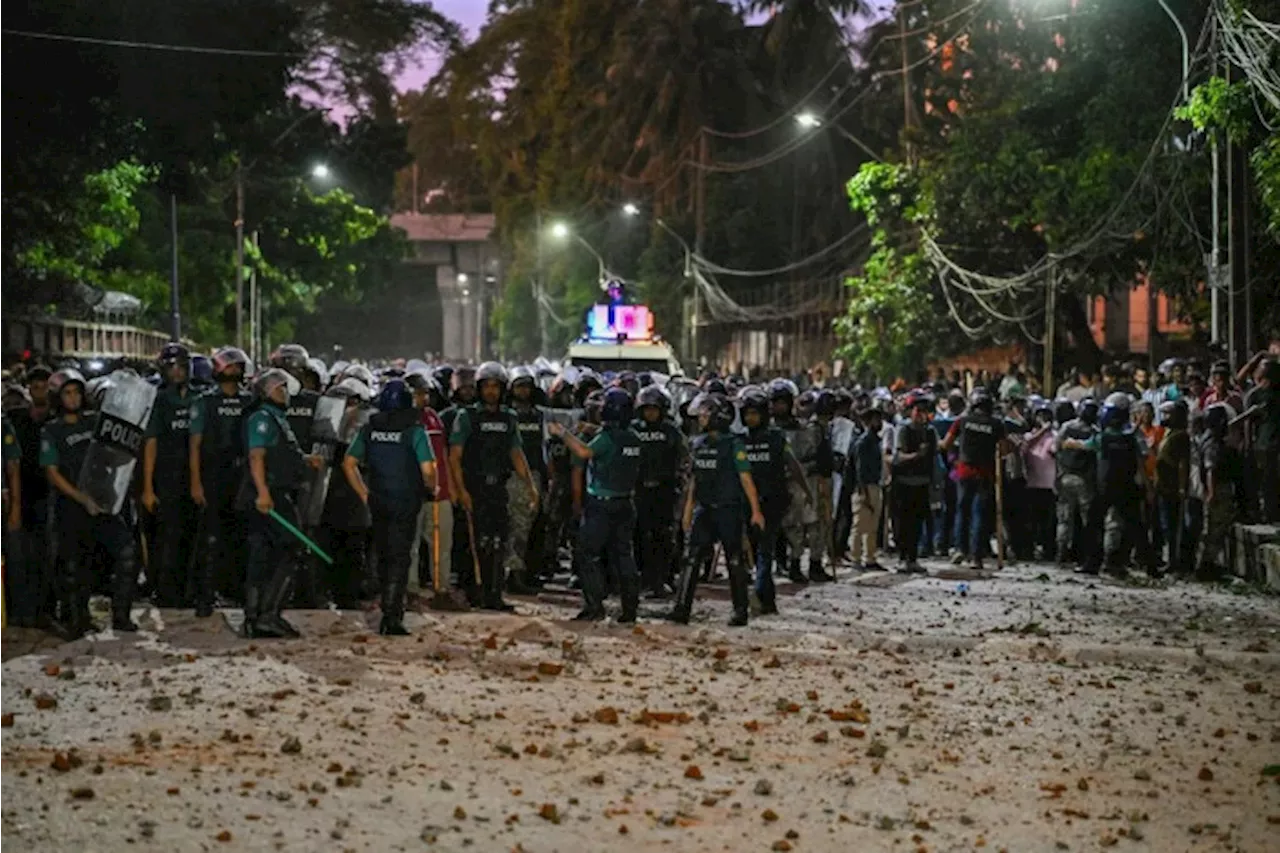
(324, 438)
(567, 418)
(107, 473)
(841, 446)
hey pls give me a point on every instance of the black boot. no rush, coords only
(492, 574)
(392, 624)
(76, 621)
(124, 582)
(520, 582)
(270, 622)
(630, 594)
(686, 586)
(204, 578)
(793, 572)
(740, 591)
(252, 609)
(816, 573)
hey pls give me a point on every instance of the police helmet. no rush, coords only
(806, 403)
(715, 386)
(173, 353)
(980, 399)
(644, 378)
(618, 407)
(350, 387)
(918, 399)
(201, 370)
(317, 367)
(824, 404)
(1087, 410)
(61, 379)
(227, 358)
(492, 371)
(395, 396)
(717, 408)
(1119, 399)
(587, 383)
(652, 395)
(1173, 414)
(391, 372)
(1114, 416)
(1063, 411)
(462, 378)
(360, 373)
(444, 375)
(266, 382)
(416, 365)
(339, 367)
(753, 397)
(290, 357)
(783, 389)
(97, 389)
(627, 379)
(523, 375)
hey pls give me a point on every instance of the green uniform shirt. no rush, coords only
(421, 445)
(263, 429)
(12, 449)
(614, 465)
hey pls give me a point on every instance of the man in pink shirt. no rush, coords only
(1041, 466)
(435, 522)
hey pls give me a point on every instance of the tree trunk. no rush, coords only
(1087, 356)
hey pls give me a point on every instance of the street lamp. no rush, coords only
(559, 230)
(462, 278)
(808, 120)
(630, 209)
(320, 172)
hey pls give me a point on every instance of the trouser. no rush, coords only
(867, 503)
(1075, 498)
(975, 504)
(911, 505)
(433, 545)
(395, 523)
(944, 517)
(523, 518)
(842, 527)
(1017, 524)
(608, 528)
(1126, 500)
(80, 538)
(711, 525)
(1267, 476)
(799, 524)
(821, 543)
(1042, 521)
(1192, 527)
(491, 526)
(220, 567)
(29, 578)
(177, 517)
(654, 542)
(559, 510)
(272, 561)
(1219, 518)
(343, 577)
(764, 546)
(1169, 515)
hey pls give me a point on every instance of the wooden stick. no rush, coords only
(999, 510)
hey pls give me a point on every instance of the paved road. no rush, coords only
(1035, 712)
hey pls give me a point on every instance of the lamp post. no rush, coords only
(561, 231)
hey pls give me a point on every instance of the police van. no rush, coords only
(621, 337)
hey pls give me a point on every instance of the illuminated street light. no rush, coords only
(808, 120)
(630, 209)
(462, 278)
(560, 231)
(320, 171)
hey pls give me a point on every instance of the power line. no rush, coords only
(803, 262)
(143, 45)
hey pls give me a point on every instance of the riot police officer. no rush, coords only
(613, 459)
(81, 525)
(166, 477)
(521, 579)
(713, 510)
(217, 463)
(276, 467)
(294, 360)
(662, 455)
(484, 448)
(1076, 474)
(402, 470)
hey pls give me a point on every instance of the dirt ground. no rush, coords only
(1030, 712)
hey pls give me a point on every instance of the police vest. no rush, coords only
(618, 476)
(302, 417)
(766, 451)
(529, 423)
(1081, 463)
(1117, 460)
(659, 452)
(72, 442)
(392, 464)
(173, 430)
(486, 457)
(715, 474)
(223, 437)
(285, 465)
(979, 436)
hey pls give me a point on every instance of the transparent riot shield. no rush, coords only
(841, 446)
(113, 454)
(325, 432)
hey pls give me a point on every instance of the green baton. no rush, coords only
(301, 536)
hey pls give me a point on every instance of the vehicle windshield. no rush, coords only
(617, 365)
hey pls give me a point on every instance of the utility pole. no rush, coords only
(175, 319)
(1215, 256)
(239, 254)
(255, 314)
(906, 82)
(1050, 330)
(539, 294)
(699, 233)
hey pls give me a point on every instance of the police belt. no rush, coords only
(657, 484)
(625, 497)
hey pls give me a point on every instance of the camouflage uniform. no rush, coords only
(523, 516)
(803, 523)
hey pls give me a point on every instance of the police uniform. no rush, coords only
(301, 415)
(608, 522)
(978, 435)
(1119, 458)
(719, 459)
(218, 418)
(767, 451)
(176, 516)
(487, 437)
(393, 446)
(558, 504)
(799, 524)
(272, 559)
(1075, 486)
(345, 524)
(662, 450)
(18, 587)
(524, 518)
(64, 445)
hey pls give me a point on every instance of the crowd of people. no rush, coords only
(307, 485)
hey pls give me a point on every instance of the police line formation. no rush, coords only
(297, 485)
